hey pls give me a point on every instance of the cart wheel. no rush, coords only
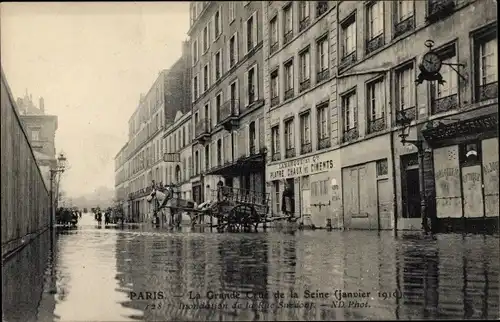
(244, 216)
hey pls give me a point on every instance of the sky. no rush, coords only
(90, 62)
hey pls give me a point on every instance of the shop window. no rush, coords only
(382, 168)
(470, 153)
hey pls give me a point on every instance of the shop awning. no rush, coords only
(253, 163)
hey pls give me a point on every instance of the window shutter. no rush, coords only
(228, 53)
(202, 159)
(235, 142)
(256, 82)
(212, 29)
(246, 137)
(190, 166)
(254, 31)
(245, 88)
(213, 154)
(236, 48)
(225, 145)
(214, 68)
(261, 134)
(245, 47)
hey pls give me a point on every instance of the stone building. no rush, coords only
(301, 122)
(226, 40)
(375, 65)
(41, 129)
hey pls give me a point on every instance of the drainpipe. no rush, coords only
(393, 156)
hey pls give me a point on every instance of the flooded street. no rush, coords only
(144, 274)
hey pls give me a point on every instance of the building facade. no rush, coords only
(178, 157)
(301, 119)
(41, 129)
(226, 40)
(375, 182)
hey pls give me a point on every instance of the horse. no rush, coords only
(163, 203)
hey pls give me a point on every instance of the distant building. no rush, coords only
(41, 129)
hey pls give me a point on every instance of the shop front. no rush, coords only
(315, 182)
(465, 155)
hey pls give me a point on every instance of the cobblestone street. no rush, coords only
(139, 273)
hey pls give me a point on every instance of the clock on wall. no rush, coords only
(431, 63)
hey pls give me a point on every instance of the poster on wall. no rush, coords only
(490, 176)
(447, 180)
(306, 202)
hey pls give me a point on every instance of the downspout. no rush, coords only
(393, 156)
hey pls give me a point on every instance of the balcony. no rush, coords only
(304, 23)
(229, 112)
(324, 143)
(289, 94)
(305, 148)
(321, 8)
(202, 130)
(275, 101)
(439, 9)
(287, 37)
(305, 84)
(404, 26)
(347, 60)
(274, 47)
(444, 104)
(487, 91)
(409, 113)
(290, 152)
(276, 156)
(350, 135)
(374, 43)
(323, 75)
(376, 125)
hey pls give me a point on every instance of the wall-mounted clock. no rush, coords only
(431, 63)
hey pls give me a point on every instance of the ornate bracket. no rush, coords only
(319, 205)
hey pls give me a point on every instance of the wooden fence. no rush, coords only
(25, 200)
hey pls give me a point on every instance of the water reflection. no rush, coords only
(121, 274)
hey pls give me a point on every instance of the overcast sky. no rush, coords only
(90, 62)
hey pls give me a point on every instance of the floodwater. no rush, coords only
(97, 274)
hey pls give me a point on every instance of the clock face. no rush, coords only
(431, 63)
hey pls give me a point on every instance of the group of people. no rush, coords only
(109, 216)
(65, 216)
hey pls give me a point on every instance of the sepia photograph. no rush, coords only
(249, 160)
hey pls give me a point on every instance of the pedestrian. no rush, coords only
(287, 201)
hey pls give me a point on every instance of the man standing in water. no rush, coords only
(288, 201)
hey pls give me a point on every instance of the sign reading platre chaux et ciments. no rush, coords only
(172, 157)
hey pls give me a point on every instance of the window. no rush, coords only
(485, 56)
(251, 32)
(376, 106)
(217, 24)
(35, 135)
(195, 52)
(323, 128)
(375, 15)
(323, 72)
(470, 153)
(218, 104)
(205, 78)
(276, 189)
(289, 138)
(274, 88)
(251, 85)
(273, 26)
(305, 65)
(350, 117)
(207, 157)
(205, 39)
(231, 11)
(275, 138)
(196, 162)
(252, 137)
(206, 113)
(405, 90)
(196, 120)
(445, 96)
(321, 7)
(195, 87)
(219, 152)
(288, 23)
(289, 79)
(233, 50)
(303, 15)
(404, 9)
(305, 133)
(382, 168)
(218, 65)
(349, 36)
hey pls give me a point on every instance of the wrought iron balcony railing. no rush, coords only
(321, 7)
(347, 60)
(439, 9)
(275, 101)
(376, 125)
(287, 36)
(374, 43)
(202, 127)
(487, 91)
(289, 93)
(305, 84)
(410, 113)
(230, 108)
(444, 104)
(404, 26)
(274, 47)
(350, 135)
(324, 143)
(323, 75)
(304, 23)
(276, 156)
(290, 152)
(305, 148)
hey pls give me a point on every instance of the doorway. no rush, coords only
(228, 181)
(411, 195)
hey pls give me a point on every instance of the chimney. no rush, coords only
(41, 105)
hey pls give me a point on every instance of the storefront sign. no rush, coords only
(300, 167)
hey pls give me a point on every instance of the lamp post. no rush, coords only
(405, 122)
(60, 167)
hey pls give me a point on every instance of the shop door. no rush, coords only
(447, 180)
(472, 191)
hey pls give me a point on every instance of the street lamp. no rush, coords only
(405, 122)
(60, 167)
